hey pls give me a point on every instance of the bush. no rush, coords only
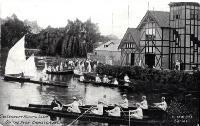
(158, 79)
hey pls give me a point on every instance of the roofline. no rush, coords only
(172, 4)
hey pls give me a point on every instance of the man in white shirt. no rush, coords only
(97, 79)
(74, 106)
(126, 78)
(137, 114)
(115, 112)
(124, 103)
(144, 104)
(82, 78)
(99, 109)
(105, 79)
(162, 104)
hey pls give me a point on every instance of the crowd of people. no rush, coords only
(115, 112)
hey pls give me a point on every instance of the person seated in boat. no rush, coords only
(99, 109)
(162, 104)
(82, 78)
(124, 103)
(126, 78)
(137, 114)
(116, 111)
(56, 105)
(115, 82)
(74, 106)
(53, 69)
(80, 101)
(144, 104)
(97, 79)
(22, 74)
(105, 79)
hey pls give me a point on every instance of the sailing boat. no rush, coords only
(15, 62)
(29, 67)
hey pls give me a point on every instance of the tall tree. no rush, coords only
(12, 30)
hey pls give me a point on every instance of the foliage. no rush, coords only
(12, 30)
(166, 79)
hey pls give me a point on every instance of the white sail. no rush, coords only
(16, 58)
(29, 67)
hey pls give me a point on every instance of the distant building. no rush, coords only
(108, 53)
(164, 38)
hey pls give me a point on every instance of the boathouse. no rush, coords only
(163, 38)
(108, 53)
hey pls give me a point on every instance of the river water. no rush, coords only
(18, 94)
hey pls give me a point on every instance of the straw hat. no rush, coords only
(74, 98)
(124, 95)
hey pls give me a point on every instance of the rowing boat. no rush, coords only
(151, 112)
(16, 78)
(47, 83)
(124, 119)
(121, 86)
(65, 72)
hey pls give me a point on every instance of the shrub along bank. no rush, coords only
(151, 79)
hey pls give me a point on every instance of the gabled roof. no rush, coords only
(161, 17)
(135, 33)
(111, 45)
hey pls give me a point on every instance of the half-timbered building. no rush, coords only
(164, 38)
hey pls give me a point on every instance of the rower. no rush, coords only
(99, 109)
(115, 112)
(97, 79)
(80, 101)
(126, 78)
(137, 114)
(74, 106)
(57, 68)
(56, 105)
(115, 82)
(144, 104)
(105, 79)
(82, 78)
(124, 103)
(49, 69)
(162, 104)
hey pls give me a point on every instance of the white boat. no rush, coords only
(16, 63)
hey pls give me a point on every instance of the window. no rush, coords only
(177, 16)
(150, 37)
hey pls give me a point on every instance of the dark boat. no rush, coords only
(121, 85)
(124, 119)
(151, 112)
(16, 78)
(65, 72)
(47, 83)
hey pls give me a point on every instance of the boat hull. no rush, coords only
(16, 78)
(60, 72)
(90, 117)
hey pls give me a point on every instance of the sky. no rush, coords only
(110, 15)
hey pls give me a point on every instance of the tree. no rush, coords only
(12, 30)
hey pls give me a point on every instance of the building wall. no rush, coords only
(104, 56)
(158, 45)
(185, 19)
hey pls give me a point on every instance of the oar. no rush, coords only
(80, 116)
